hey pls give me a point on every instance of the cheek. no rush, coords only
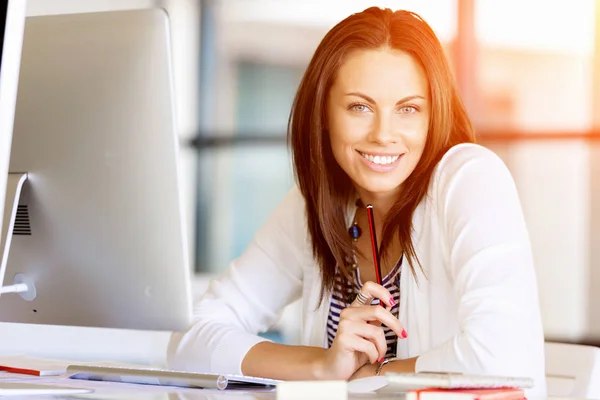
(349, 130)
(414, 140)
(342, 145)
(415, 134)
(340, 148)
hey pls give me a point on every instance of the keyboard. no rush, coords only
(163, 377)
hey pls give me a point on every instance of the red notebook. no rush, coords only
(466, 394)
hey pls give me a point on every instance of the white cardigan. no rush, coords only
(476, 311)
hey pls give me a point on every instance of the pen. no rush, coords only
(376, 259)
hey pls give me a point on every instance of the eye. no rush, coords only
(358, 107)
(408, 109)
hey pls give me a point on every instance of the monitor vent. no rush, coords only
(22, 223)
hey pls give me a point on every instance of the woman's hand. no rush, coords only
(360, 338)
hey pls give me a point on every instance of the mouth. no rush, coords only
(380, 159)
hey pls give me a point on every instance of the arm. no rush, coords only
(279, 361)
(358, 344)
(491, 265)
(248, 298)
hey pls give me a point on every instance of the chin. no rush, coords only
(380, 187)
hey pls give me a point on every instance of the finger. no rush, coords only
(372, 333)
(362, 299)
(375, 335)
(349, 313)
(377, 291)
(359, 344)
(374, 314)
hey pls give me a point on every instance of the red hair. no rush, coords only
(325, 186)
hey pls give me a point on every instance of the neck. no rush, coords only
(381, 202)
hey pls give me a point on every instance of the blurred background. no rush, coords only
(528, 71)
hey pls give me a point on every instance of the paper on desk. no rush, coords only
(369, 384)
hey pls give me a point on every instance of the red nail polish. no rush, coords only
(392, 302)
(404, 334)
(381, 359)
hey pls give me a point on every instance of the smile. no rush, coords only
(380, 160)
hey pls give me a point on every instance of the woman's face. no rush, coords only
(378, 116)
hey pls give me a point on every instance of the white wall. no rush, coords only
(594, 243)
(554, 186)
(546, 91)
(594, 282)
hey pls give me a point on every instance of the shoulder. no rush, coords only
(292, 201)
(461, 155)
(287, 222)
(290, 212)
(469, 165)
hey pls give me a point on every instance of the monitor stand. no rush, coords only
(21, 283)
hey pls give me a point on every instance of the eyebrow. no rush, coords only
(370, 100)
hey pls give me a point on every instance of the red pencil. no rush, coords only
(374, 246)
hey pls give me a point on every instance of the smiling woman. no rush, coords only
(378, 120)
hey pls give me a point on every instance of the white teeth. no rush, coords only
(381, 160)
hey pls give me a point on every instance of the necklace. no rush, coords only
(355, 232)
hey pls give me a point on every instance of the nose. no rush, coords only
(382, 132)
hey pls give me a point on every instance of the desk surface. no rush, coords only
(233, 395)
(122, 391)
(228, 395)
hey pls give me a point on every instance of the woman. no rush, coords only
(378, 120)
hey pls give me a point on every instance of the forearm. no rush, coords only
(279, 361)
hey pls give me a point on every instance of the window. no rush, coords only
(250, 176)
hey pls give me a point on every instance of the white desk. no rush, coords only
(118, 391)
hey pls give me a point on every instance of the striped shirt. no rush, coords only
(343, 294)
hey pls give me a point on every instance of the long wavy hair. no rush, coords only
(326, 188)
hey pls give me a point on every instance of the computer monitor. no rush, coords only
(97, 230)
(12, 20)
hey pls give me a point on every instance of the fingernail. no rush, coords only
(381, 359)
(404, 334)
(392, 302)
